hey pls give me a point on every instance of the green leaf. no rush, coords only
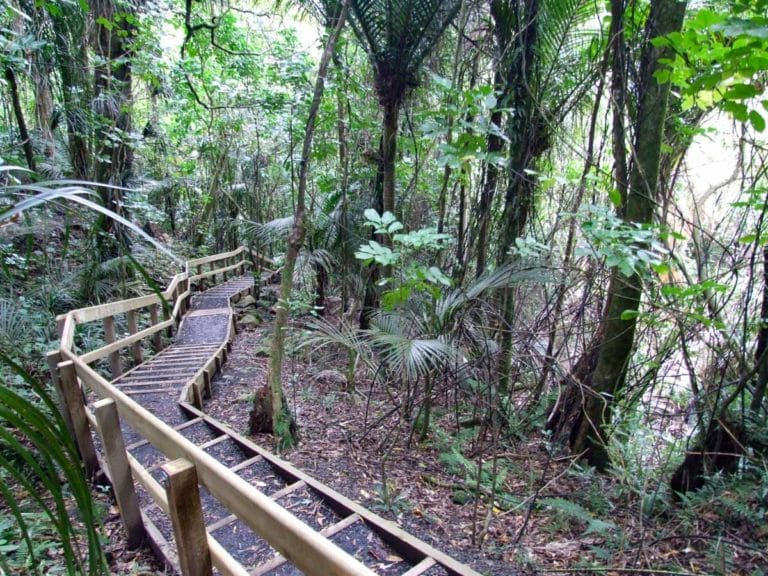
(740, 92)
(629, 314)
(757, 121)
(615, 197)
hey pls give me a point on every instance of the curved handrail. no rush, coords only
(304, 547)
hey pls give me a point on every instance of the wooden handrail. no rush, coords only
(170, 296)
(214, 272)
(124, 342)
(296, 541)
(305, 548)
(215, 257)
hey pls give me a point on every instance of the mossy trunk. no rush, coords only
(285, 435)
(591, 434)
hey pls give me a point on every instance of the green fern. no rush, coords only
(578, 512)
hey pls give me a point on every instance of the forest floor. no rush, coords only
(548, 514)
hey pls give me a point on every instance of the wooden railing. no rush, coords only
(74, 376)
(200, 270)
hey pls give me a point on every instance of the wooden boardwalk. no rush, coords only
(208, 498)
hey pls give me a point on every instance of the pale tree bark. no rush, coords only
(281, 419)
(591, 431)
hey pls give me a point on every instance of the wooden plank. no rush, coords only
(130, 383)
(93, 313)
(288, 489)
(179, 307)
(305, 548)
(75, 406)
(246, 463)
(212, 273)
(68, 332)
(114, 346)
(120, 471)
(328, 531)
(186, 512)
(263, 259)
(208, 312)
(150, 391)
(421, 567)
(217, 440)
(53, 358)
(130, 317)
(221, 559)
(170, 366)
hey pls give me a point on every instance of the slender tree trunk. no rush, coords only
(281, 418)
(26, 142)
(591, 434)
(494, 146)
(341, 133)
(619, 97)
(389, 149)
(761, 353)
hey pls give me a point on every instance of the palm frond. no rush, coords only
(345, 335)
(74, 191)
(271, 231)
(49, 454)
(407, 356)
(566, 32)
(503, 277)
(398, 35)
(322, 258)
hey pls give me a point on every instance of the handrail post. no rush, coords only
(157, 337)
(120, 471)
(74, 401)
(133, 328)
(54, 357)
(187, 518)
(167, 316)
(109, 337)
(185, 304)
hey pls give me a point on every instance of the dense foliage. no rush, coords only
(551, 211)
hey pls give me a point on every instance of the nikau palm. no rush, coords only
(398, 35)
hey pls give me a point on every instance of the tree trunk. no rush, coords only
(591, 435)
(619, 98)
(113, 101)
(494, 146)
(281, 420)
(69, 40)
(389, 149)
(761, 353)
(26, 143)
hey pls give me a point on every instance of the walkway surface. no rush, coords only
(157, 385)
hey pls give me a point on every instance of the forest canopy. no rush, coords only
(549, 211)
